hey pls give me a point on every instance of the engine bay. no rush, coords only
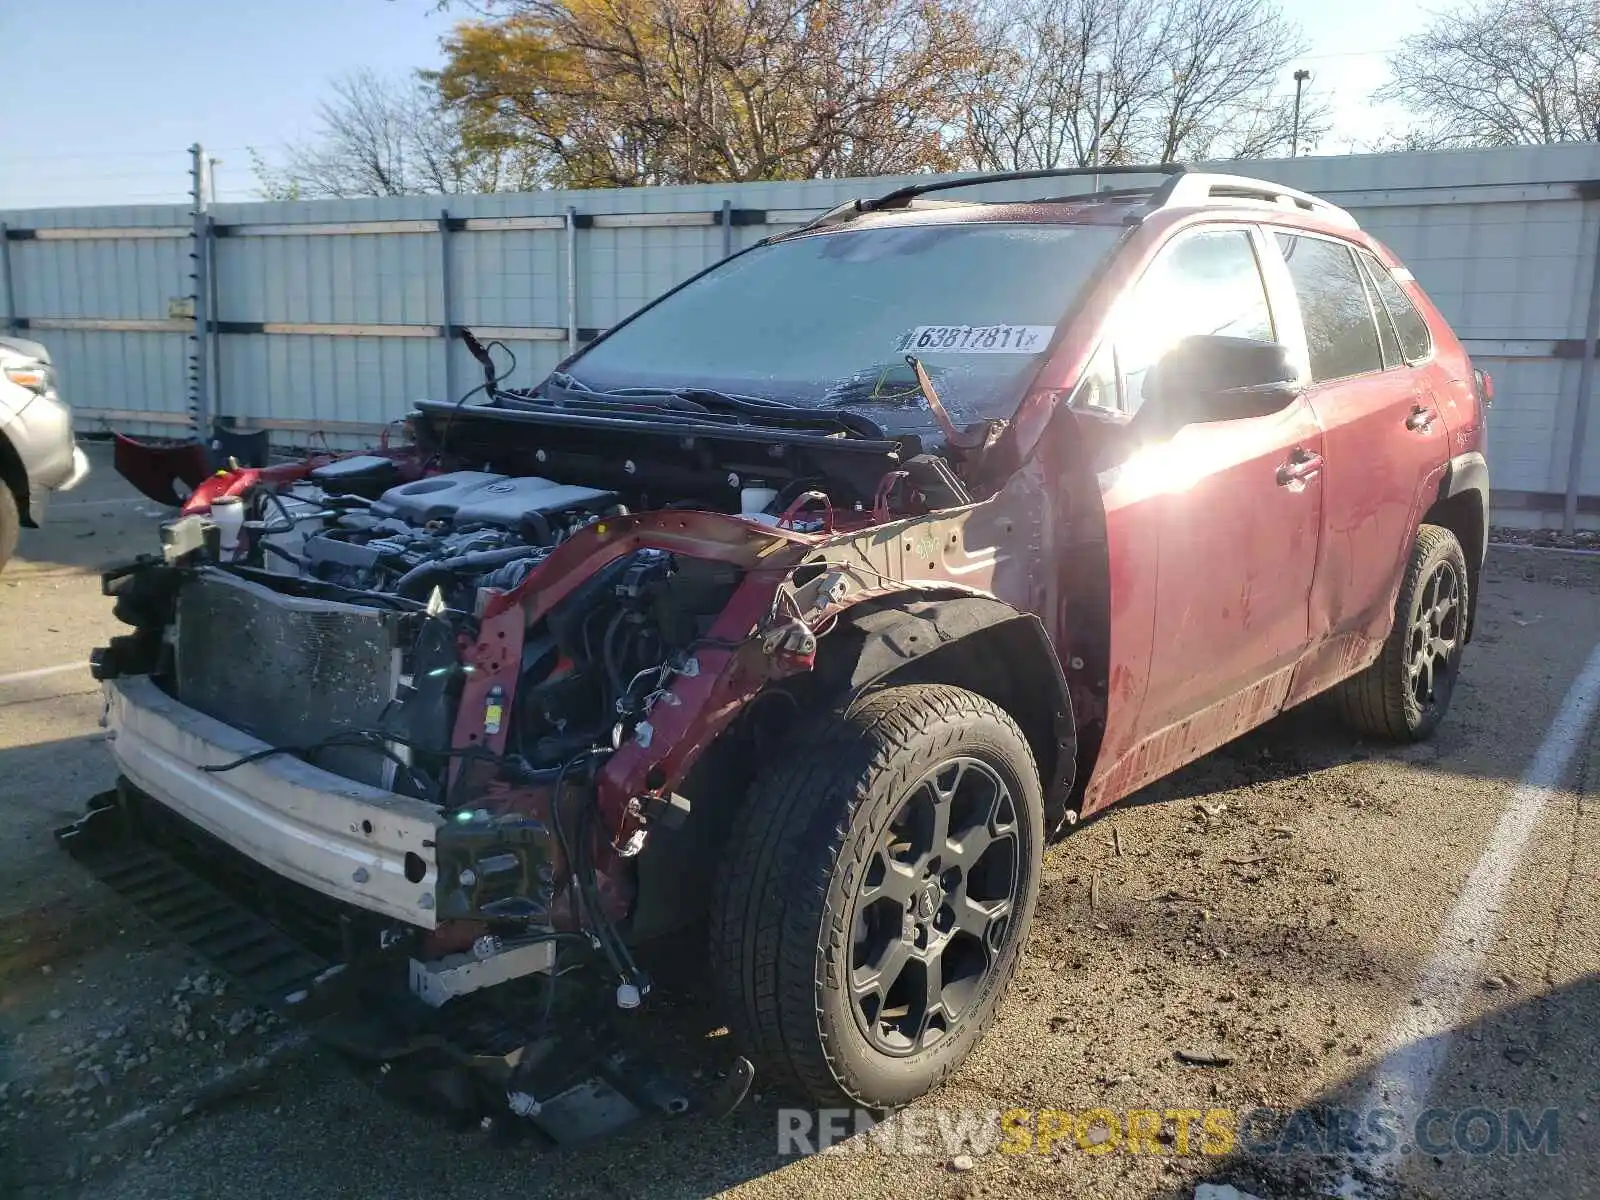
(394, 617)
(373, 587)
(423, 552)
(451, 533)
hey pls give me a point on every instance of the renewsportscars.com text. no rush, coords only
(1211, 1132)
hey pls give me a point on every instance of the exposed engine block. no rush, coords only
(454, 532)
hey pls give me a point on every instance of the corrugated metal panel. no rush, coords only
(1498, 238)
(311, 378)
(103, 266)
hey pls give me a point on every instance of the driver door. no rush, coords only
(1232, 509)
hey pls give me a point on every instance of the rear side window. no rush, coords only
(1415, 341)
(1205, 282)
(1340, 331)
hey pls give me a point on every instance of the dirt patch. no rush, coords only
(1583, 539)
(1532, 563)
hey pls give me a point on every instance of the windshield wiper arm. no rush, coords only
(946, 425)
(738, 403)
(699, 396)
(713, 403)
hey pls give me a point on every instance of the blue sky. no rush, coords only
(103, 97)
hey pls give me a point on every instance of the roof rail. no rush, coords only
(904, 195)
(1180, 187)
(1196, 188)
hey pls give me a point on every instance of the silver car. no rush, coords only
(37, 452)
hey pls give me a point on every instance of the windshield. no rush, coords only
(826, 320)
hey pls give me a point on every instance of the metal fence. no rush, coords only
(328, 318)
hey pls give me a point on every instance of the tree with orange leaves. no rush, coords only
(622, 93)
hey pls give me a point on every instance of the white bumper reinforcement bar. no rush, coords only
(348, 840)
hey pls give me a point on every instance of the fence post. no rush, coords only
(213, 315)
(572, 280)
(1580, 408)
(6, 284)
(199, 391)
(446, 291)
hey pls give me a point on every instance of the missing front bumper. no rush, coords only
(491, 1054)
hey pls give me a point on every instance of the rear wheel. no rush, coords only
(10, 525)
(879, 886)
(1406, 692)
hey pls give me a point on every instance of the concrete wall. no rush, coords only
(332, 316)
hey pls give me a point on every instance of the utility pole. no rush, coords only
(1300, 77)
(1094, 142)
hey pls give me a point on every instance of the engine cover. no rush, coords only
(465, 497)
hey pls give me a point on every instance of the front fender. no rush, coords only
(978, 643)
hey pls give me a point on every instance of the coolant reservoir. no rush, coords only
(227, 513)
(754, 501)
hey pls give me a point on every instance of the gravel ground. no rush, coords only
(1583, 539)
(1268, 909)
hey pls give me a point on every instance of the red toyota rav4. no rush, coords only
(802, 607)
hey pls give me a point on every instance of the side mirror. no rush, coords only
(1209, 377)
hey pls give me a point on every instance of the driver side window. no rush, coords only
(1204, 282)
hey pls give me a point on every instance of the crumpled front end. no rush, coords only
(449, 725)
(401, 697)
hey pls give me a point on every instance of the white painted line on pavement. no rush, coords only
(41, 672)
(1419, 1041)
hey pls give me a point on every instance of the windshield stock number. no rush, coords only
(978, 339)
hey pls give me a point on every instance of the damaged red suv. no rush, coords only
(793, 615)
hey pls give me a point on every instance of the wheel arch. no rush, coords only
(15, 477)
(959, 639)
(914, 636)
(1462, 507)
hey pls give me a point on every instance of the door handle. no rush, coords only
(1420, 419)
(1302, 465)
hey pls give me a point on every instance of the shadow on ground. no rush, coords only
(1513, 1115)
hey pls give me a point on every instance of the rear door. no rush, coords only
(1443, 388)
(1382, 439)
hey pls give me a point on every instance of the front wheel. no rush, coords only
(879, 885)
(1406, 691)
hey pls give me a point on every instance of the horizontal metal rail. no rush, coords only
(1411, 195)
(107, 324)
(91, 233)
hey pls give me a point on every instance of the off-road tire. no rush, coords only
(10, 525)
(798, 854)
(1381, 701)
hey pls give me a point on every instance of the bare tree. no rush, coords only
(1136, 81)
(1221, 63)
(1063, 78)
(1502, 73)
(391, 137)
